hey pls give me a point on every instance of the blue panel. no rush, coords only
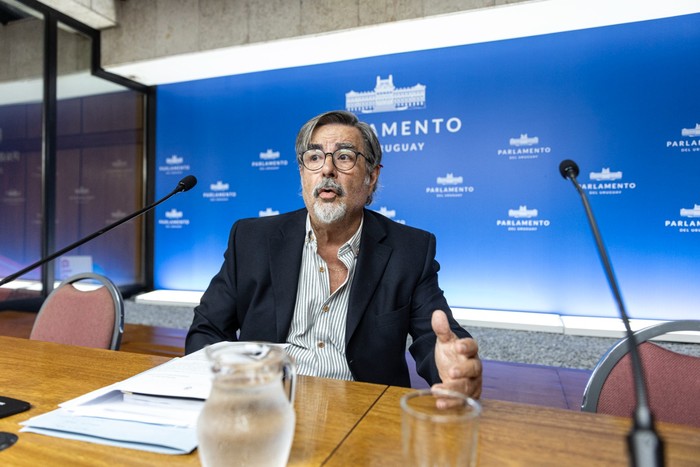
(472, 137)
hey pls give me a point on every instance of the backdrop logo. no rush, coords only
(524, 140)
(219, 186)
(174, 165)
(269, 212)
(522, 213)
(269, 160)
(173, 214)
(81, 195)
(174, 219)
(219, 191)
(115, 216)
(690, 141)
(694, 212)
(450, 179)
(390, 213)
(691, 131)
(607, 182)
(449, 186)
(686, 225)
(524, 147)
(13, 197)
(386, 97)
(9, 156)
(119, 166)
(605, 174)
(522, 219)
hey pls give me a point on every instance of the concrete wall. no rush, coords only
(135, 30)
(148, 29)
(22, 51)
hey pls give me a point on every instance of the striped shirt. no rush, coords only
(317, 332)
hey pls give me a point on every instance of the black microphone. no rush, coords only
(644, 444)
(185, 184)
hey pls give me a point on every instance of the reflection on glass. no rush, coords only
(99, 155)
(21, 93)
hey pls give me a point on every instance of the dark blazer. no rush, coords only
(394, 292)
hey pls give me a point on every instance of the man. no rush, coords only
(342, 285)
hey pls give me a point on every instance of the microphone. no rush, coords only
(186, 184)
(644, 444)
(183, 185)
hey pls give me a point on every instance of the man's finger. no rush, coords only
(441, 326)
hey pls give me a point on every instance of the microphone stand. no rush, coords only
(644, 444)
(183, 185)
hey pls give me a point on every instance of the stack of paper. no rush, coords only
(155, 410)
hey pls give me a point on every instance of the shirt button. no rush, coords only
(321, 269)
(325, 308)
(321, 345)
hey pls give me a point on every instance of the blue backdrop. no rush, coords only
(473, 137)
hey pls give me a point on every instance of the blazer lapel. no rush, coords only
(371, 263)
(286, 247)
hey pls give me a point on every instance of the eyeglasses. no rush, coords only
(344, 159)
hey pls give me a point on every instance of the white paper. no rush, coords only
(156, 410)
(186, 377)
(117, 405)
(133, 413)
(147, 437)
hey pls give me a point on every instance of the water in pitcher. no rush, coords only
(248, 419)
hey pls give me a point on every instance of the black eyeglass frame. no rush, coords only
(332, 154)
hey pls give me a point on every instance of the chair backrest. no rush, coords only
(89, 318)
(672, 379)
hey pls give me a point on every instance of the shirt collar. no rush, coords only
(353, 244)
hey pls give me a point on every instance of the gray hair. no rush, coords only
(372, 150)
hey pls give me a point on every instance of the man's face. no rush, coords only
(331, 195)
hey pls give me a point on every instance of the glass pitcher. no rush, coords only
(249, 417)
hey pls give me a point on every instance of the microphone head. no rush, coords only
(568, 168)
(187, 183)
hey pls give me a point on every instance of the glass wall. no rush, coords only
(71, 155)
(99, 159)
(21, 98)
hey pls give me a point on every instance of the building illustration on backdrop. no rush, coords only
(389, 213)
(522, 212)
(450, 179)
(174, 159)
(268, 212)
(173, 214)
(386, 97)
(524, 140)
(269, 155)
(694, 212)
(605, 175)
(691, 131)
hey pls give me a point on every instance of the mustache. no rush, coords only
(328, 184)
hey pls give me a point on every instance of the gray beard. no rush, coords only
(329, 213)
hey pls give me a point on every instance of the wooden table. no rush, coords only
(46, 374)
(338, 423)
(512, 434)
